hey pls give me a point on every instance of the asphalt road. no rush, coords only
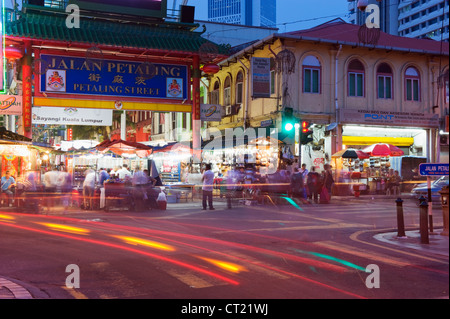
(250, 252)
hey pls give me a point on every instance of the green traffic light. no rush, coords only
(288, 127)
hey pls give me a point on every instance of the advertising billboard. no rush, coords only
(148, 8)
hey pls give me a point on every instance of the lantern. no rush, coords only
(211, 68)
(13, 53)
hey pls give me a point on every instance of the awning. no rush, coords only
(369, 140)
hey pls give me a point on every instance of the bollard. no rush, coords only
(424, 238)
(400, 219)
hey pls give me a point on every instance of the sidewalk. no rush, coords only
(438, 244)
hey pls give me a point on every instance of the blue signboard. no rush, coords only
(76, 75)
(433, 169)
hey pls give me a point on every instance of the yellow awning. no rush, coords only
(104, 104)
(369, 140)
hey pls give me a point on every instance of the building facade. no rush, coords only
(247, 12)
(354, 94)
(414, 19)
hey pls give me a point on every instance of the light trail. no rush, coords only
(129, 249)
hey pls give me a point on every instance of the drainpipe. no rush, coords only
(247, 94)
(336, 80)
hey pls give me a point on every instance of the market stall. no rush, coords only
(364, 171)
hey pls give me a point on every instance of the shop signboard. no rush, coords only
(392, 118)
(10, 105)
(434, 169)
(71, 116)
(261, 77)
(149, 8)
(117, 78)
(211, 112)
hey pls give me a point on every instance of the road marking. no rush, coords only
(332, 226)
(74, 293)
(18, 291)
(354, 237)
(360, 253)
(193, 280)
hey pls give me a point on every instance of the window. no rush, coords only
(384, 83)
(311, 75)
(272, 75)
(240, 87)
(215, 93)
(412, 84)
(356, 79)
(227, 91)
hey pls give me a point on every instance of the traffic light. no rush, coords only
(288, 120)
(305, 133)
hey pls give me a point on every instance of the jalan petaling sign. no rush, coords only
(80, 76)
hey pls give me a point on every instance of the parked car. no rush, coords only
(436, 186)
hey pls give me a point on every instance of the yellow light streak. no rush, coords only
(224, 265)
(144, 242)
(67, 229)
(7, 217)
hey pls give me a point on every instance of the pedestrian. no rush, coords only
(304, 173)
(314, 184)
(328, 181)
(296, 188)
(208, 184)
(123, 173)
(88, 189)
(232, 180)
(8, 182)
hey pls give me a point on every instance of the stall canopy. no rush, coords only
(173, 147)
(351, 153)
(383, 149)
(121, 147)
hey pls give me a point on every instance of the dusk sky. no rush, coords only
(289, 11)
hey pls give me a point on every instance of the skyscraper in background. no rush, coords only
(260, 13)
(411, 18)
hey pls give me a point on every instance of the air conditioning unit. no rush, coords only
(228, 110)
(444, 139)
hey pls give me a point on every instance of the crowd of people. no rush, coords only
(301, 183)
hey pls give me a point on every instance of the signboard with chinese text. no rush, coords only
(76, 75)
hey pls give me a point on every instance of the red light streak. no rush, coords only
(111, 245)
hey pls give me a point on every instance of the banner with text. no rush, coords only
(75, 75)
(411, 119)
(71, 116)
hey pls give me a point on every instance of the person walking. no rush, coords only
(328, 181)
(314, 185)
(296, 184)
(8, 182)
(207, 189)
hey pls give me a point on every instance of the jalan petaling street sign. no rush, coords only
(119, 78)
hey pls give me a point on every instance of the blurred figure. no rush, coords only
(328, 182)
(314, 185)
(208, 184)
(297, 184)
(88, 189)
(50, 181)
(65, 186)
(124, 173)
(8, 182)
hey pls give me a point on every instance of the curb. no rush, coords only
(13, 290)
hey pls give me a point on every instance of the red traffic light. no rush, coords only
(305, 127)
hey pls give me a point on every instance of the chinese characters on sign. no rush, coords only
(74, 75)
